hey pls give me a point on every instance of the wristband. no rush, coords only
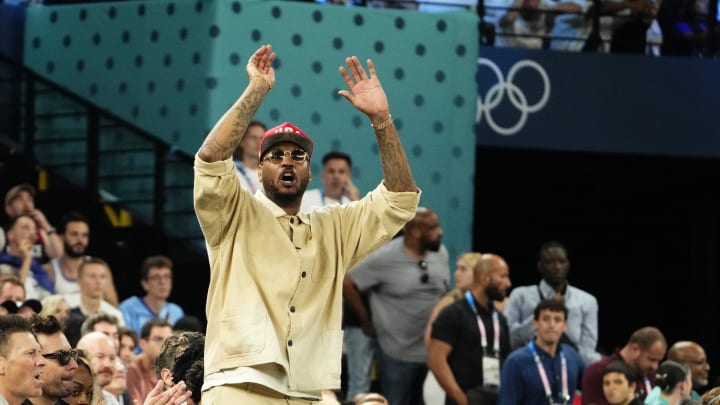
(265, 80)
(383, 124)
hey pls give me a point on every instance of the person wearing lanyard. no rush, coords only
(545, 372)
(470, 338)
(246, 157)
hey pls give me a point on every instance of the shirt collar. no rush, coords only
(549, 292)
(275, 209)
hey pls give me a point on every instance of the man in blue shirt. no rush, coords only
(157, 282)
(582, 320)
(544, 371)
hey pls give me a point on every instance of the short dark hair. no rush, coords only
(188, 323)
(337, 155)
(123, 331)
(647, 336)
(619, 366)
(551, 244)
(45, 325)
(550, 304)
(88, 324)
(154, 262)
(153, 323)
(72, 216)
(9, 325)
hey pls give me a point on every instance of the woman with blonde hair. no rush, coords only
(464, 266)
(463, 281)
(56, 306)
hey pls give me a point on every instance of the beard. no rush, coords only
(285, 199)
(432, 245)
(70, 252)
(61, 390)
(494, 293)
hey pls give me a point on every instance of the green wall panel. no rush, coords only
(173, 68)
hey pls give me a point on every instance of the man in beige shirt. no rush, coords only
(274, 303)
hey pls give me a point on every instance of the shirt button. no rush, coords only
(292, 220)
(292, 309)
(290, 342)
(303, 274)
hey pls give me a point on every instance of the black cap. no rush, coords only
(33, 304)
(10, 305)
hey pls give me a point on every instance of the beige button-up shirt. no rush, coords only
(275, 294)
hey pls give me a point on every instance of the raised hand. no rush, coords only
(227, 133)
(39, 218)
(260, 66)
(365, 92)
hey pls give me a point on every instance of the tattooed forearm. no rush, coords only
(396, 169)
(230, 129)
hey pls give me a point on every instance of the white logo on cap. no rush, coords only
(496, 93)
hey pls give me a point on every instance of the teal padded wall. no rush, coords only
(174, 67)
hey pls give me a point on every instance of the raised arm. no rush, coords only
(367, 95)
(230, 129)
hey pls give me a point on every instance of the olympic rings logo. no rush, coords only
(496, 93)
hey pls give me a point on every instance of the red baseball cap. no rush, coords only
(285, 132)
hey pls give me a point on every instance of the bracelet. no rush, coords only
(383, 124)
(265, 80)
(50, 231)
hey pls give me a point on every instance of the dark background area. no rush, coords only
(641, 233)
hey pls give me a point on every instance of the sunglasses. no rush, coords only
(63, 356)
(277, 156)
(424, 278)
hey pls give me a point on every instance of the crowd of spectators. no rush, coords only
(651, 27)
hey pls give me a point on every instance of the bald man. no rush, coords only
(693, 356)
(405, 278)
(462, 369)
(101, 350)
